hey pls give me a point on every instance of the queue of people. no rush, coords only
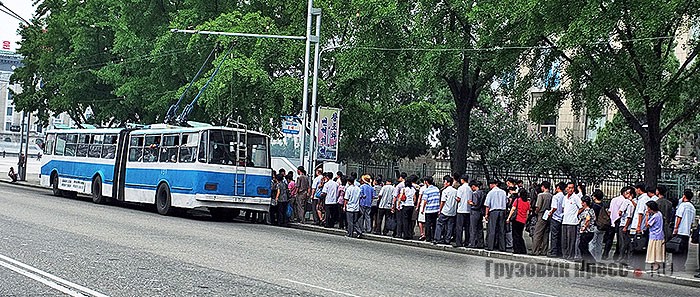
(561, 219)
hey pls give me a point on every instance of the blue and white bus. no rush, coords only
(222, 169)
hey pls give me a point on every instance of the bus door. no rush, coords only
(241, 157)
(122, 155)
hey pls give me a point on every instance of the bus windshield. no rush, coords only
(222, 147)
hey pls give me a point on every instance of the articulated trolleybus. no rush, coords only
(219, 168)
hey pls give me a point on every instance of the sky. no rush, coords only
(9, 25)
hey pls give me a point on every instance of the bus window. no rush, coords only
(150, 150)
(83, 145)
(48, 146)
(135, 148)
(60, 144)
(202, 157)
(222, 147)
(71, 145)
(109, 147)
(168, 153)
(96, 146)
(257, 151)
(188, 147)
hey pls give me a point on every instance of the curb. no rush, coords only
(528, 259)
(22, 184)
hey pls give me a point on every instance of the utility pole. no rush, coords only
(22, 162)
(311, 13)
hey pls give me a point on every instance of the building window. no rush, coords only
(593, 126)
(549, 127)
(8, 126)
(9, 111)
(9, 95)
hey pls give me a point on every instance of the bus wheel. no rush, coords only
(54, 185)
(224, 214)
(163, 202)
(97, 191)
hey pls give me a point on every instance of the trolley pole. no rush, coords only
(308, 38)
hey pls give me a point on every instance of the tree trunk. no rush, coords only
(652, 150)
(462, 121)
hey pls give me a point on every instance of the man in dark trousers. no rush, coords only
(496, 202)
(476, 223)
(540, 242)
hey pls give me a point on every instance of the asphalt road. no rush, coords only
(52, 246)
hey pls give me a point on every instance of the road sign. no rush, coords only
(291, 127)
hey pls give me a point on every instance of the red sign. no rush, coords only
(6, 45)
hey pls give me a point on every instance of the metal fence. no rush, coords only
(676, 181)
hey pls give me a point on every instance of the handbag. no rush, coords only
(639, 243)
(515, 211)
(402, 196)
(673, 246)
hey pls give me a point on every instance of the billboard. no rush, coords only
(328, 134)
(6, 45)
(290, 126)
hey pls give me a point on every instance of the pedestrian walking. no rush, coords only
(518, 217)
(496, 201)
(540, 240)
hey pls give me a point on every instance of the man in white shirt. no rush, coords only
(556, 214)
(685, 216)
(614, 210)
(315, 201)
(571, 205)
(641, 209)
(626, 212)
(352, 209)
(464, 195)
(330, 194)
(448, 211)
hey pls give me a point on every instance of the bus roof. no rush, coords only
(157, 128)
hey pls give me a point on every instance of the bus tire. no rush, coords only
(224, 214)
(163, 201)
(54, 184)
(97, 196)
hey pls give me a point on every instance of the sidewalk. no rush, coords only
(679, 278)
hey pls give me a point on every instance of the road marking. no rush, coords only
(320, 288)
(518, 290)
(48, 279)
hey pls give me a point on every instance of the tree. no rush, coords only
(623, 53)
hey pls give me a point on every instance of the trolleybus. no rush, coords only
(222, 169)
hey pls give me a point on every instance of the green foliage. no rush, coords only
(623, 53)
